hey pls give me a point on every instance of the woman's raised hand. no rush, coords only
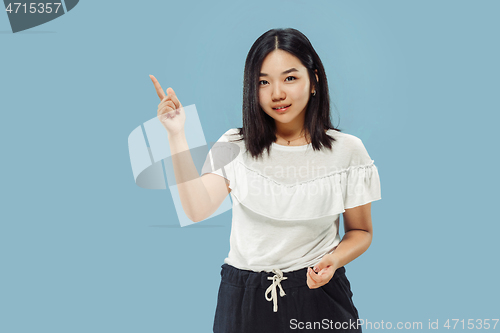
(170, 111)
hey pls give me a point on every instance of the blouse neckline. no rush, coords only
(281, 147)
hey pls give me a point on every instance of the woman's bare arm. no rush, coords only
(200, 196)
(356, 240)
(357, 237)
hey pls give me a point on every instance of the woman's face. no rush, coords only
(284, 81)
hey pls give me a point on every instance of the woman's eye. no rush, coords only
(263, 82)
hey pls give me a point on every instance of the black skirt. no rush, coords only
(254, 302)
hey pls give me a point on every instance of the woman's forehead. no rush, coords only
(280, 62)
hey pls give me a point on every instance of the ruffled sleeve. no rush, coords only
(361, 181)
(220, 158)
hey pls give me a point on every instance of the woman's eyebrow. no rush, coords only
(285, 72)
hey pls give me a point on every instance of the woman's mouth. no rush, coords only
(282, 109)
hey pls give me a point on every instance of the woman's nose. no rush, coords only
(278, 93)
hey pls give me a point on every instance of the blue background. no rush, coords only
(84, 249)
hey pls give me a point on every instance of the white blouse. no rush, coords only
(286, 206)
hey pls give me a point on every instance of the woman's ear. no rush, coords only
(316, 73)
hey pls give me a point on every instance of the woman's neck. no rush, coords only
(290, 131)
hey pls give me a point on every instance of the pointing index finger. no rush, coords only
(158, 88)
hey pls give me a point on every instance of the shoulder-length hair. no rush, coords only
(259, 129)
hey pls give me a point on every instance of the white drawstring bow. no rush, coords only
(277, 278)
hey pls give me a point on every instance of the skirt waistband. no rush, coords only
(250, 279)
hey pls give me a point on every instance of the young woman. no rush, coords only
(285, 268)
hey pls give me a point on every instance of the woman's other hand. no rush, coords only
(325, 270)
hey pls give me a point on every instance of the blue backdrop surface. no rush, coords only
(84, 249)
